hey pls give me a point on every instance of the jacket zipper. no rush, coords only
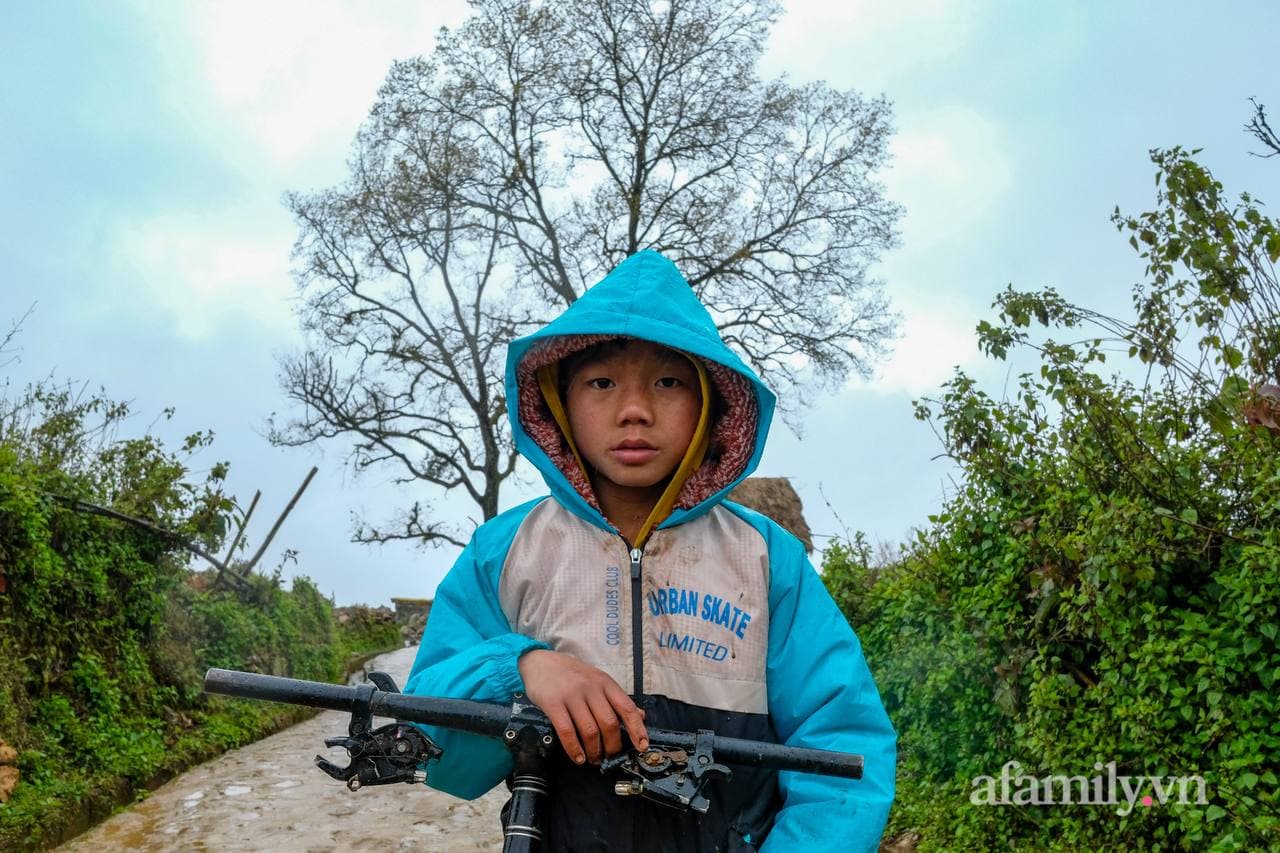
(637, 661)
(637, 634)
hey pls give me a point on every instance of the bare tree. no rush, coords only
(409, 323)
(538, 146)
(1261, 129)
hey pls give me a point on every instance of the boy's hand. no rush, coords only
(581, 702)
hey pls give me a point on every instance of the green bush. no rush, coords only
(1106, 584)
(105, 634)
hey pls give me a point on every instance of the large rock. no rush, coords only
(412, 629)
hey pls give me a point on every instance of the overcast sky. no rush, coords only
(146, 145)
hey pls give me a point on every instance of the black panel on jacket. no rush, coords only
(584, 814)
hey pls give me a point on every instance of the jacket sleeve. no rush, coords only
(821, 695)
(468, 651)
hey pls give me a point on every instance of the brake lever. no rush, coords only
(671, 777)
(386, 755)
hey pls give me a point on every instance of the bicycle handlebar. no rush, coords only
(491, 720)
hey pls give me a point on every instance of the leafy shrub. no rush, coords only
(1106, 584)
(104, 633)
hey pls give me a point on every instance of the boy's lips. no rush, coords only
(633, 451)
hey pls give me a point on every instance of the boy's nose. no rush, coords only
(635, 407)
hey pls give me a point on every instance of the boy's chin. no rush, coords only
(640, 481)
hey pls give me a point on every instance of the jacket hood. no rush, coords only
(644, 297)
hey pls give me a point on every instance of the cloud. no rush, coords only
(201, 274)
(292, 80)
(950, 162)
(936, 336)
(275, 92)
(951, 171)
(950, 166)
(866, 44)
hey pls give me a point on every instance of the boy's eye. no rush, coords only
(669, 382)
(600, 382)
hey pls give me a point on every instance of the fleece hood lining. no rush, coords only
(733, 434)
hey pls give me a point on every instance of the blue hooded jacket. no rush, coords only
(544, 575)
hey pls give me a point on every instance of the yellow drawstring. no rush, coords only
(549, 382)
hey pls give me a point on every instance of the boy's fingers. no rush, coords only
(610, 734)
(568, 735)
(631, 716)
(588, 729)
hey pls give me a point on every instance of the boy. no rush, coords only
(636, 595)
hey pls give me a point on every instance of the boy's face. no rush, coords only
(633, 413)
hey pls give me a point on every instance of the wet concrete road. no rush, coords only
(270, 796)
